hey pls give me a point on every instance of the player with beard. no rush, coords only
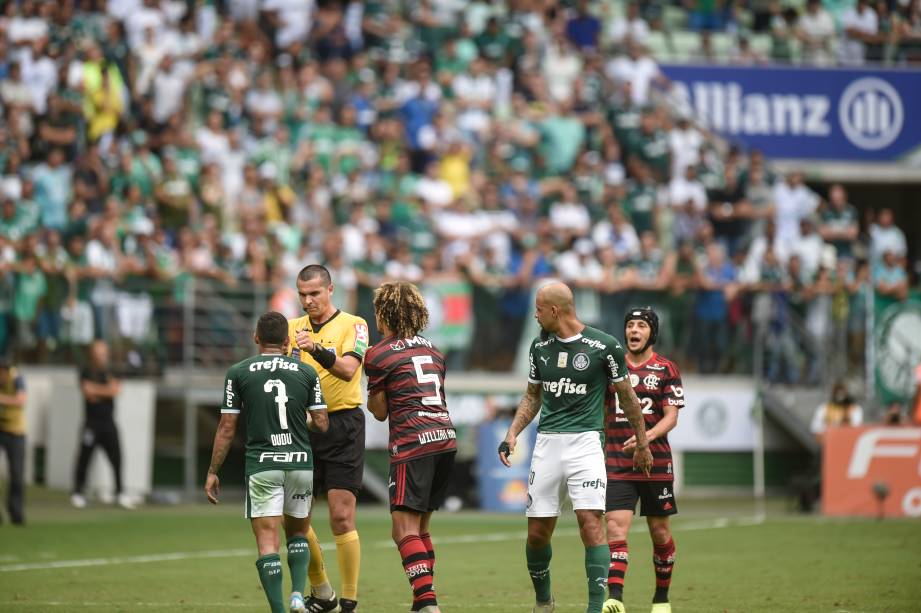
(570, 371)
(658, 385)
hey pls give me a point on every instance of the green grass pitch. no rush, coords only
(201, 558)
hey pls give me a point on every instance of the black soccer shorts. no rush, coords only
(657, 498)
(421, 484)
(339, 453)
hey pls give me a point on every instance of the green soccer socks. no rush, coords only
(269, 567)
(539, 569)
(597, 560)
(298, 560)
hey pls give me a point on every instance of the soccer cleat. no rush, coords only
(125, 502)
(544, 607)
(661, 607)
(320, 605)
(297, 603)
(78, 501)
(347, 606)
(613, 606)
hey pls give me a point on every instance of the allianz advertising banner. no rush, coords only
(804, 113)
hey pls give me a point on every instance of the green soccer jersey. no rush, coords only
(574, 374)
(274, 392)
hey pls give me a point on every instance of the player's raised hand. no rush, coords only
(212, 488)
(506, 449)
(303, 340)
(642, 459)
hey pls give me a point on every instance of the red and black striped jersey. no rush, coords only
(411, 371)
(657, 384)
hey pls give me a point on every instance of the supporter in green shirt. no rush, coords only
(562, 136)
(30, 289)
(840, 222)
(10, 223)
(650, 144)
(641, 200)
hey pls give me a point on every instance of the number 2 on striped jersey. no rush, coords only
(421, 377)
(645, 403)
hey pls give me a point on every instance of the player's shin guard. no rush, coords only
(539, 569)
(427, 543)
(298, 560)
(349, 549)
(663, 558)
(617, 569)
(269, 567)
(597, 561)
(418, 572)
(316, 569)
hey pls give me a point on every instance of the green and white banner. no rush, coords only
(896, 347)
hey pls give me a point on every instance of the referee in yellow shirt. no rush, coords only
(334, 343)
(13, 435)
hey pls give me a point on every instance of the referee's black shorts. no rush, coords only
(339, 453)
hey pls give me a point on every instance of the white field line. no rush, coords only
(31, 604)
(492, 537)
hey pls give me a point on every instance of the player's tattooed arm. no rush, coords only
(642, 457)
(222, 440)
(525, 414)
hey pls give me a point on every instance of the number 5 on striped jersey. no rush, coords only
(422, 377)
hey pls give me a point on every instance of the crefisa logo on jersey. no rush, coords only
(580, 361)
(612, 364)
(272, 365)
(564, 386)
(870, 113)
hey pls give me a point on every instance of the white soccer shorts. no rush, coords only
(275, 492)
(562, 461)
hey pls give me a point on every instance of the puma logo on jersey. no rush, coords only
(545, 360)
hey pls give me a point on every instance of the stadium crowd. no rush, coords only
(148, 142)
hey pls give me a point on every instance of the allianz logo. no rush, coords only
(870, 111)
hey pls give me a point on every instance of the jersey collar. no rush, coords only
(630, 364)
(315, 327)
(570, 339)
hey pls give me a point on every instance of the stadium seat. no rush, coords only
(684, 44)
(674, 18)
(658, 46)
(723, 44)
(760, 44)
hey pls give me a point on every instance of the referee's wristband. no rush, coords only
(324, 357)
